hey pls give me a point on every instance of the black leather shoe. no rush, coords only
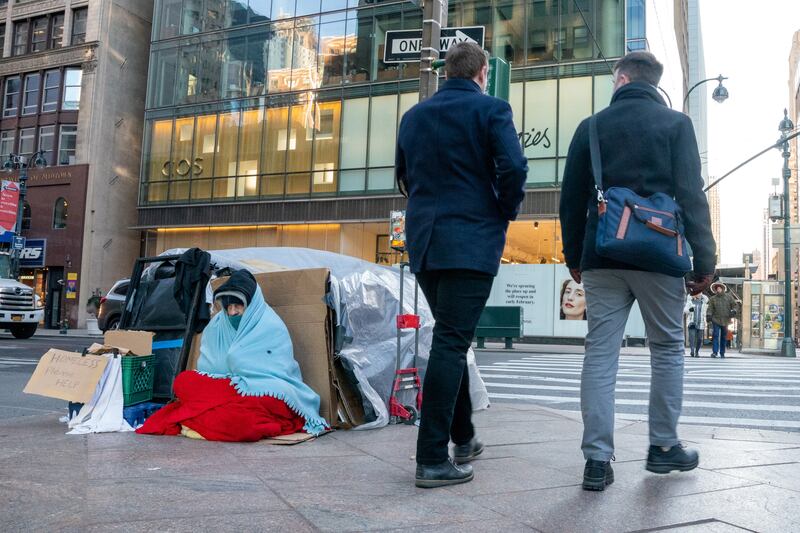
(713, 356)
(465, 453)
(597, 475)
(443, 474)
(677, 458)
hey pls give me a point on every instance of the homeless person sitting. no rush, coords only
(247, 385)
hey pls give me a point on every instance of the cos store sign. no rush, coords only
(183, 168)
(34, 253)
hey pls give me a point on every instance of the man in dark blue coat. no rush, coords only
(461, 164)
(648, 148)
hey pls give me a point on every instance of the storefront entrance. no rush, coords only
(53, 302)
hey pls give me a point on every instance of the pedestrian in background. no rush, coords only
(460, 161)
(696, 320)
(646, 148)
(721, 309)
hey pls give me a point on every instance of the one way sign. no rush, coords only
(405, 46)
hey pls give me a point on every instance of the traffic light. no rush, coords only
(499, 79)
(499, 83)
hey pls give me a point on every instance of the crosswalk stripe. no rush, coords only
(9, 361)
(686, 403)
(788, 390)
(712, 378)
(639, 390)
(713, 389)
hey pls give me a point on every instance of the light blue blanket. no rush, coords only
(259, 360)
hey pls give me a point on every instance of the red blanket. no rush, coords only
(214, 409)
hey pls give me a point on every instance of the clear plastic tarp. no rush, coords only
(366, 298)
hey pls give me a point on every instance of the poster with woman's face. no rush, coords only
(573, 301)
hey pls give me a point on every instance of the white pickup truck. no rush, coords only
(20, 309)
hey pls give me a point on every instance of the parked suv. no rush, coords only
(111, 305)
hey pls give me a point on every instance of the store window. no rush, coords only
(7, 138)
(227, 144)
(276, 142)
(67, 144)
(52, 85)
(282, 9)
(57, 31)
(509, 32)
(27, 141)
(169, 18)
(192, 19)
(79, 17)
(11, 98)
(188, 74)
(47, 140)
(39, 34)
(72, 89)
(31, 98)
(332, 51)
(20, 38)
(163, 65)
(60, 211)
(204, 143)
(383, 115)
(250, 152)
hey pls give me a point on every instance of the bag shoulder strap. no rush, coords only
(594, 149)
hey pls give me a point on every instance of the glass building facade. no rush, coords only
(269, 100)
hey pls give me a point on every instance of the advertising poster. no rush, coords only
(72, 285)
(9, 203)
(553, 305)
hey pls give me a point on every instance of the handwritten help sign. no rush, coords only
(67, 376)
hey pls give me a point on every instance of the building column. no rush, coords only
(67, 39)
(9, 32)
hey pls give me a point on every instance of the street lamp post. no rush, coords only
(23, 164)
(720, 93)
(787, 347)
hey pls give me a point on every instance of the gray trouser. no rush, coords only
(609, 297)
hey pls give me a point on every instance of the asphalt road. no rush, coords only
(751, 392)
(738, 391)
(18, 358)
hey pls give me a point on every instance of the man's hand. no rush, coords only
(698, 283)
(576, 274)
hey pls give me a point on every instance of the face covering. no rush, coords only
(235, 320)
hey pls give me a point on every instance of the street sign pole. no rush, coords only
(434, 16)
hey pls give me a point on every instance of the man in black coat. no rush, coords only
(648, 148)
(460, 161)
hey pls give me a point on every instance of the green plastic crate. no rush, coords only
(137, 378)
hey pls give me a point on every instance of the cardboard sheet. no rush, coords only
(138, 342)
(67, 376)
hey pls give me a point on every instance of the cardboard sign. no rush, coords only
(138, 342)
(67, 376)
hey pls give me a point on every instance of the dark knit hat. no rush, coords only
(240, 286)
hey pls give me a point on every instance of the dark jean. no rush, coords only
(695, 340)
(719, 340)
(456, 299)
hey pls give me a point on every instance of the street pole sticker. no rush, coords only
(405, 46)
(397, 230)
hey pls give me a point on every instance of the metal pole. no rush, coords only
(787, 347)
(23, 190)
(434, 17)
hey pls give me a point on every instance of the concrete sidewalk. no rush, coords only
(528, 479)
(42, 332)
